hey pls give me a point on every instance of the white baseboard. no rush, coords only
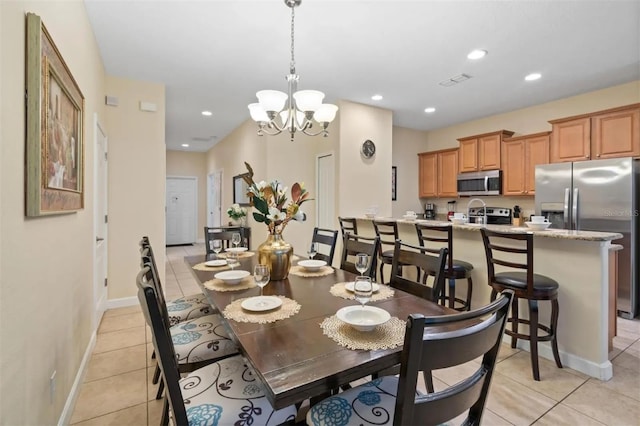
(70, 404)
(122, 302)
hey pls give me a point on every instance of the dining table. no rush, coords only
(293, 357)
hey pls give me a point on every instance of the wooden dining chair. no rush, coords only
(225, 392)
(430, 343)
(224, 234)
(354, 244)
(348, 224)
(326, 238)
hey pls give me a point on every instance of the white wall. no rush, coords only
(180, 163)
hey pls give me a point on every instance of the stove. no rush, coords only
(495, 215)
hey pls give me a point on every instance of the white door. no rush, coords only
(325, 199)
(214, 199)
(100, 221)
(182, 210)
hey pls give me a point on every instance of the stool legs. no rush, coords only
(555, 309)
(515, 321)
(451, 295)
(533, 336)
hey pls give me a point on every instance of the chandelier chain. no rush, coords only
(292, 65)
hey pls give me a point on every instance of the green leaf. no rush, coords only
(260, 205)
(260, 218)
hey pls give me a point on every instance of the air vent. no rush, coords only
(203, 139)
(454, 80)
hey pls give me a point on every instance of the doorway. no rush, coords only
(100, 220)
(182, 210)
(214, 199)
(325, 190)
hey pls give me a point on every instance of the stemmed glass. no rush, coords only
(362, 263)
(235, 239)
(313, 250)
(363, 289)
(261, 276)
(217, 247)
(232, 260)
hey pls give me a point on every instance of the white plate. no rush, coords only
(261, 303)
(541, 226)
(216, 262)
(363, 319)
(312, 265)
(236, 249)
(349, 286)
(232, 277)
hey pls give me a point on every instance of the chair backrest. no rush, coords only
(501, 248)
(387, 230)
(434, 237)
(481, 335)
(148, 259)
(326, 237)
(429, 264)
(223, 234)
(354, 244)
(165, 352)
(348, 224)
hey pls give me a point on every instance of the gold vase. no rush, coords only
(276, 253)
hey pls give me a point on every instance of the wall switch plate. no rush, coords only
(148, 106)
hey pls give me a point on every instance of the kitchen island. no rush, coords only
(578, 260)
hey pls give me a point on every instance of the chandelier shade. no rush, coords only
(296, 110)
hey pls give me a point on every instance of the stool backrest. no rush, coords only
(354, 244)
(430, 264)
(326, 237)
(387, 230)
(348, 224)
(224, 234)
(502, 247)
(434, 237)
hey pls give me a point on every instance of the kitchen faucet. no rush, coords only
(482, 219)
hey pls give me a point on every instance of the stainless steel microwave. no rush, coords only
(480, 183)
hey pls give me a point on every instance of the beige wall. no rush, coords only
(183, 164)
(406, 144)
(137, 164)
(46, 286)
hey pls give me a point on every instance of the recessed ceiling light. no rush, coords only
(185, 145)
(477, 54)
(429, 110)
(377, 97)
(533, 76)
(207, 113)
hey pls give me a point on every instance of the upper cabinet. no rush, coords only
(605, 134)
(481, 152)
(520, 156)
(438, 172)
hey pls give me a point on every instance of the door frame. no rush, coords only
(210, 206)
(100, 188)
(195, 202)
(317, 189)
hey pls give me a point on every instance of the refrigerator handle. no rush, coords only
(574, 209)
(566, 209)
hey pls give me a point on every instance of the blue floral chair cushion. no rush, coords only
(201, 339)
(227, 393)
(189, 307)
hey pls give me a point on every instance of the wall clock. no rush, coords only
(368, 149)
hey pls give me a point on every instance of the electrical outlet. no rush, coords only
(52, 387)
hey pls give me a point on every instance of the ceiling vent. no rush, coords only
(454, 80)
(203, 139)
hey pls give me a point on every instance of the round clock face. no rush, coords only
(368, 149)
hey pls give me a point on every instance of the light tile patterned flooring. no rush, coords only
(117, 389)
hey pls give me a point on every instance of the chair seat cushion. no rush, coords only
(356, 405)
(519, 280)
(387, 253)
(461, 266)
(201, 339)
(227, 393)
(189, 307)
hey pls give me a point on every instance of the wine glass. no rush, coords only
(313, 250)
(232, 260)
(362, 262)
(235, 239)
(261, 276)
(363, 289)
(217, 247)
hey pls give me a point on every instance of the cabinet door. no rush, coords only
(468, 155)
(513, 171)
(536, 152)
(571, 140)
(428, 175)
(616, 134)
(489, 152)
(448, 173)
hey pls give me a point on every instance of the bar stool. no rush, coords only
(525, 285)
(348, 224)
(387, 231)
(442, 236)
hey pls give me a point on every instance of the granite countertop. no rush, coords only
(549, 233)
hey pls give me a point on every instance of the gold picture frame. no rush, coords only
(55, 128)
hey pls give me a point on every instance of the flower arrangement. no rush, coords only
(270, 201)
(236, 212)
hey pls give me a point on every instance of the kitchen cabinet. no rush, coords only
(438, 172)
(520, 156)
(605, 134)
(481, 152)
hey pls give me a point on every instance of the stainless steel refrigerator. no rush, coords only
(598, 195)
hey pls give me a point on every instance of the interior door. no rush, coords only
(100, 221)
(182, 217)
(214, 199)
(325, 200)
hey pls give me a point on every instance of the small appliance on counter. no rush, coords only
(430, 211)
(451, 209)
(495, 215)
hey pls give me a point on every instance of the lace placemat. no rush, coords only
(203, 267)
(241, 255)
(235, 312)
(386, 336)
(302, 272)
(219, 285)
(339, 290)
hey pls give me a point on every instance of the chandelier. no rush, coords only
(296, 110)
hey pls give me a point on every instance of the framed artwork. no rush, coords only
(394, 176)
(55, 128)
(240, 189)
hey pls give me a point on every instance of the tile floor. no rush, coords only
(118, 390)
